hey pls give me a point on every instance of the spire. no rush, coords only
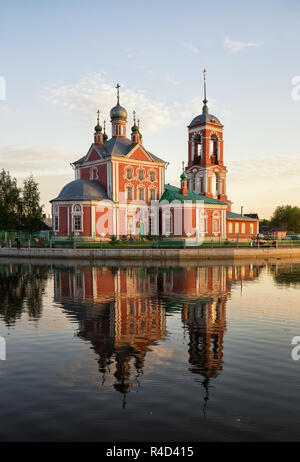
(183, 181)
(135, 136)
(118, 93)
(98, 137)
(204, 77)
(98, 128)
(141, 136)
(105, 137)
(205, 108)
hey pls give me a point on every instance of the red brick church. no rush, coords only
(119, 187)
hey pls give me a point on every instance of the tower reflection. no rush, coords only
(122, 312)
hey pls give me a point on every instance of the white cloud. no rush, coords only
(190, 47)
(93, 92)
(234, 46)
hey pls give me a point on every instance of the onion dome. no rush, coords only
(183, 176)
(98, 128)
(134, 128)
(118, 112)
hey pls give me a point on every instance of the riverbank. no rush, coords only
(154, 254)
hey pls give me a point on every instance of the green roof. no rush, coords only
(172, 193)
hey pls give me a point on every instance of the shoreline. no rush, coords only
(146, 255)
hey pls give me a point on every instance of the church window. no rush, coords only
(77, 222)
(77, 208)
(141, 194)
(152, 194)
(141, 175)
(230, 228)
(251, 228)
(152, 176)
(236, 228)
(129, 193)
(199, 148)
(167, 222)
(203, 224)
(216, 224)
(129, 173)
(56, 223)
(243, 230)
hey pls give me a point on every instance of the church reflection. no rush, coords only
(122, 313)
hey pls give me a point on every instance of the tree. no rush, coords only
(32, 211)
(20, 208)
(288, 217)
(10, 202)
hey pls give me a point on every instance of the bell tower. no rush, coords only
(205, 171)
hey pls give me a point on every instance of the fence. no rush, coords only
(27, 239)
(44, 239)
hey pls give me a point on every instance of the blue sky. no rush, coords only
(61, 61)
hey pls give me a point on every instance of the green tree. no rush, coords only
(10, 202)
(287, 216)
(32, 211)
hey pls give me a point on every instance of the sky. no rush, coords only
(60, 62)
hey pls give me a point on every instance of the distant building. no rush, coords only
(278, 233)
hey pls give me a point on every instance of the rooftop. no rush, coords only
(173, 193)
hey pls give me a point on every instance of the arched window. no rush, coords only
(129, 193)
(77, 208)
(55, 218)
(214, 149)
(141, 174)
(214, 184)
(216, 223)
(199, 147)
(129, 173)
(166, 222)
(152, 175)
(77, 217)
(202, 222)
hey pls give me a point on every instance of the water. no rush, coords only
(190, 353)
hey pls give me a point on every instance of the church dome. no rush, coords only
(205, 118)
(118, 113)
(183, 176)
(80, 190)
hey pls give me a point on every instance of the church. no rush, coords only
(119, 187)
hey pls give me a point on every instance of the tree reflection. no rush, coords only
(21, 290)
(286, 275)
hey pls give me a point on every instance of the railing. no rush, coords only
(28, 240)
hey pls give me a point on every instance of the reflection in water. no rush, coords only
(21, 289)
(287, 275)
(122, 313)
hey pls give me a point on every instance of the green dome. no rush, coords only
(105, 137)
(135, 129)
(183, 176)
(98, 128)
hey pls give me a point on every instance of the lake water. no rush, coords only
(156, 353)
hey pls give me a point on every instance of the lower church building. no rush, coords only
(119, 188)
